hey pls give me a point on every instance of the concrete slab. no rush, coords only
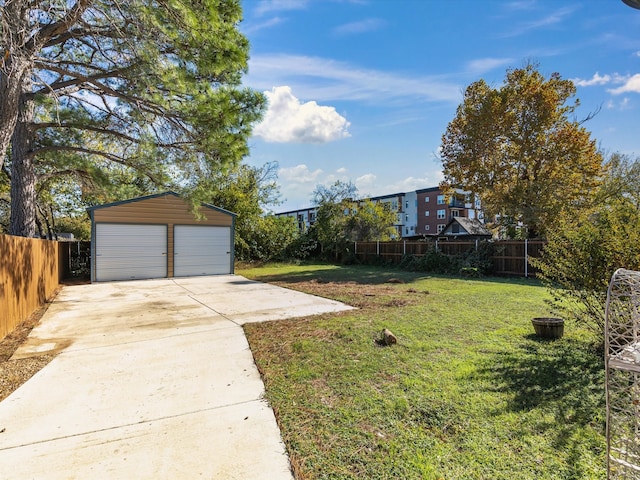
(112, 313)
(237, 442)
(250, 301)
(131, 383)
(154, 379)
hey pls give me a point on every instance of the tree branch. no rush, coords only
(106, 131)
(71, 171)
(77, 79)
(89, 151)
(41, 37)
(79, 33)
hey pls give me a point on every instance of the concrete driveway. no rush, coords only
(154, 379)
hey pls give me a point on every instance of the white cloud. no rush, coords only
(255, 27)
(632, 84)
(624, 104)
(362, 26)
(520, 5)
(327, 79)
(365, 181)
(266, 6)
(597, 79)
(552, 19)
(297, 183)
(483, 65)
(415, 183)
(299, 174)
(289, 120)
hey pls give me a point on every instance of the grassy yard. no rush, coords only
(467, 393)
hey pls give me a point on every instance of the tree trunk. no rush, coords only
(9, 96)
(13, 68)
(23, 177)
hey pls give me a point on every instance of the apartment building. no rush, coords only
(304, 217)
(436, 209)
(418, 213)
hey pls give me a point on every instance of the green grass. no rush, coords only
(467, 393)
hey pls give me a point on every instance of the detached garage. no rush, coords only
(158, 236)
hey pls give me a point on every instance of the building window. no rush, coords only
(426, 228)
(455, 213)
(406, 231)
(406, 218)
(440, 199)
(440, 227)
(426, 199)
(426, 214)
(441, 214)
(406, 205)
(312, 217)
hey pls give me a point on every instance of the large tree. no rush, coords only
(153, 86)
(520, 150)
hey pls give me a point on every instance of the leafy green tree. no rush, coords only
(341, 218)
(149, 85)
(247, 191)
(333, 203)
(370, 221)
(268, 238)
(589, 245)
(518, 149)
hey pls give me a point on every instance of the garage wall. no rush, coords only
(166, 208)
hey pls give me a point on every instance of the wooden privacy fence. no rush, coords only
(510, 257)
(29, 276)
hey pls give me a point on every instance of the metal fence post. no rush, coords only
(526, 258)
(378, 248)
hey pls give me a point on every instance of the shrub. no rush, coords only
(478, 260)
(581, 256)
(436, 262)
(408, 262)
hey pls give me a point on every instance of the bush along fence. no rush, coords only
(473, 258)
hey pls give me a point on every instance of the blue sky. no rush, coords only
(363, 90)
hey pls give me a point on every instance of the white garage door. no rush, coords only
(127, 252)
(200, 250)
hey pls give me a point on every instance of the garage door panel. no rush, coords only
(125, 252)
(201, 250)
